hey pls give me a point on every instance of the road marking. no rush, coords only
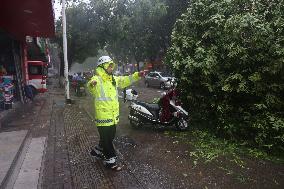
(29, 174)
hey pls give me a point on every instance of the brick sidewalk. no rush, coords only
(67, 163)
(56, 168)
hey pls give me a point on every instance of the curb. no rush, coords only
(9, 174)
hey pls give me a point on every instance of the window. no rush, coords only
(163, 74)
(37, 70)
(156, 75)
(151, 74)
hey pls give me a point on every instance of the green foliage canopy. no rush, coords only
(229, 57)
(128, 29)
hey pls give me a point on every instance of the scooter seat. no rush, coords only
(153, 107)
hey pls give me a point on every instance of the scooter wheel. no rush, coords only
(182, 124)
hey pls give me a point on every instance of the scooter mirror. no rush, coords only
(134, 92)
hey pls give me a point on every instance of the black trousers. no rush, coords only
(107, 134)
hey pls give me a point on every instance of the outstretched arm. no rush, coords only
(125, 81)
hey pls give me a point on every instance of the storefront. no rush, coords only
(18, 20)
(11, 73)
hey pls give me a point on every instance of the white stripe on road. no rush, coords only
(29, 174)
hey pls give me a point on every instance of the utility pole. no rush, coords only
(68, 100)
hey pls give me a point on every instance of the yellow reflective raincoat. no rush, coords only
(105, 96)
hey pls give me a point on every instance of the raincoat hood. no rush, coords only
(101, 72)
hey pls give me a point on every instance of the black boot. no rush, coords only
(97, 153)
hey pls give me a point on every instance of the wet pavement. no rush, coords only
(156, 160)
(150, 158)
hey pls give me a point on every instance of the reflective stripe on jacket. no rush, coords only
(105, 96)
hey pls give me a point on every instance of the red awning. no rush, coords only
(27, 18)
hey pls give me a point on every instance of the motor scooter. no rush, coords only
(167, 112)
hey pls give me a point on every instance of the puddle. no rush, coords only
(126, 141)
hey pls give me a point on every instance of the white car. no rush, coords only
(159, 79)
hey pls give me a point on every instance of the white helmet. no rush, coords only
(103, 59)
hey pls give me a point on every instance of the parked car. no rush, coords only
(159, 79)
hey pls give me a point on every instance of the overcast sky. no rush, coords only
(57, 8)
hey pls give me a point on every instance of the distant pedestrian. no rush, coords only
(103, 87)
(29, 92)
(78, 77)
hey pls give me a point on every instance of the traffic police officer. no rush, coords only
(103, 87)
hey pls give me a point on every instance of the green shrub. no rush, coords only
(228, 57)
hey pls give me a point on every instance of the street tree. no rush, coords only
(128, 29)
(229, 59)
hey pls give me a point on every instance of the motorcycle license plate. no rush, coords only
(81, 88)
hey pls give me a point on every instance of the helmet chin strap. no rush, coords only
(101, 66)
